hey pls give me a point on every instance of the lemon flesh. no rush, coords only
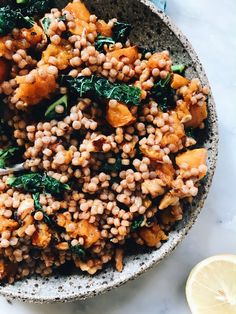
(211, 286)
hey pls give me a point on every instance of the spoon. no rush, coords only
(12, 169)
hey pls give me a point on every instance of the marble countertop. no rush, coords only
(161, 290)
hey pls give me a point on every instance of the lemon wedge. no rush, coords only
(211, 286)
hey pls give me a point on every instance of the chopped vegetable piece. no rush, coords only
(103, 28)
(131, 53)
(10, 19)
(79, 10)
(164, 94)
(51, 111)
(6, 154)
(103, 40)
(121, 32)
(153, 61)
(79, 251)
(119, 116)
(152, 236)
(199, 114)
(45, 22)
(178, 81)
(101, 87)
(178, 68)
(137, 223)
(36, 182)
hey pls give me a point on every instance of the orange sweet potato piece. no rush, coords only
(152, 154)
(89, 231)
(4, 70)
(33, 93)
(199, 114)
(155, 58)
(103, 28)
(165, 172)
(193, 158)
(183, 113)
(78, 10)
(119, 255)
(80, 25)
(152, 236)
(130, 52)
(7, 224)
(168, 200)
(62, 54)
(42, 236)
(178, 81)
(119, 116)
(33, 35)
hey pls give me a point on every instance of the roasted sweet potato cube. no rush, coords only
(152, 236)
(103, 28)
(78, 10)
(7, 224)
(193, 158)
(80, 26)
(199, 114)
(152, 154)
(89, 231)
(33, 35)
(42, 236)
(131, 53)
(183, 113)
(169, 199)
(119, 116)
(178, 81)
(61, 53)
(165, 172)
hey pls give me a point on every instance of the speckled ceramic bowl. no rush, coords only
(151, 28)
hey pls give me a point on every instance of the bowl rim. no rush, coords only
(181, 233)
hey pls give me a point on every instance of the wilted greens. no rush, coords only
(121, 32)
(51, 113)
(6, 155)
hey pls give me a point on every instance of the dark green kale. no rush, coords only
(53, 186)
(103, 40)
(99, 87)
(6, 155)
(51, 113)
(116, 167)
(45, 22)
(38, 207)
(164, 94)
(178, 68)
(10, 19)
(37, 182)
(137, 223)
(35, 7)
(79, 251)
(121, 32)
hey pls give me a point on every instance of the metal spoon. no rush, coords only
(12, 169)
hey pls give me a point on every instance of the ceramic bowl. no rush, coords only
(151, 28)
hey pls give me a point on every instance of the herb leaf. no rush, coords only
(178, 68)
(35, 7)
(51, 113)
(79, 251)
(10, 19)
(38, 207)
(103, 40)
(101, 87)
(121, 32)
(137, 223)
(45, 22)
(6, 154)
(37, 182)
(164, 94)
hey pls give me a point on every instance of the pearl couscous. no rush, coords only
(105, 130)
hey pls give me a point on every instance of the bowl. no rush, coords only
(151, 28)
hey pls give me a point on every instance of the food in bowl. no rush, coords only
(108, 133)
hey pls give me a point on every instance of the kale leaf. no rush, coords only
(45, 22)
(37, 182)
(164, 94)
(79, 251)
(178, 68)
(137, 223)
(10, 19)
(103, 40)
(95, 86)
(121, 32)
(38, 207)
(6, 154)
(51, 113)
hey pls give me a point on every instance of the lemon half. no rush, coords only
(211, 286)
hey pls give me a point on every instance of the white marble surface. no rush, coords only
(211, 27)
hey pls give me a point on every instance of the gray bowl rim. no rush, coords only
(181, 233)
